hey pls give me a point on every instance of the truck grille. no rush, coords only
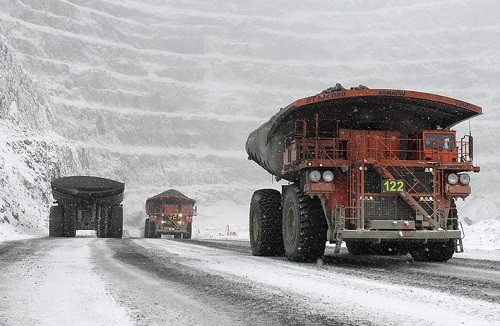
(388, 208)
(393, 207)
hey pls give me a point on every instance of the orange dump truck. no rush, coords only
(377, 168)
(170, 213)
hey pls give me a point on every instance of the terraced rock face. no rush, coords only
(162, 94)
(30, 153)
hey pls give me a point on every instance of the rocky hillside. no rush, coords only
(30, 154)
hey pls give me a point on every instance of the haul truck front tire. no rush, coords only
(189, 230)
(304, 226)
(56, 218)
(266, 237)
(146, 228)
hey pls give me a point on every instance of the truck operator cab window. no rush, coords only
(440, 141)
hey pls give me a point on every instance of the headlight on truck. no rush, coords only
(464, 178)
(314, 176)
(452, 179)
(328, 176)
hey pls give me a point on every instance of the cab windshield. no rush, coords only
(440, 141)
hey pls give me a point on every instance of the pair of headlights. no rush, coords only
(315, 176)
(453, 178)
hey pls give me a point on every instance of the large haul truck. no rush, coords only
(377, 168)
(169, 213)
(86, 203)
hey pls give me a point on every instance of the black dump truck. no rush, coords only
(86, 203)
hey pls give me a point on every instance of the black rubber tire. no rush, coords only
(116, 222)
(266, 235)
(420, 251)
(146, 228)
(433, 251)
(390, 248)
(189, 230)
(358, 248)
(441, 251)
(304, 226)
(149, 229)
(437, 251)
(102, 226)
(56, 217)
(69, 221)
(152, 230)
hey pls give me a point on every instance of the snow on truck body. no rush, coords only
(377, 168)
(86, 203)
(170, 213)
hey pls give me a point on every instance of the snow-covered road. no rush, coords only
(90, 281)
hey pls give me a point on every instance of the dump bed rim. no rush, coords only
(327, 96)
(470, 109)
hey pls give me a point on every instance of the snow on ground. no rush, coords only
(328, 290)
(484, 235)
(51, 293)
(222, 220)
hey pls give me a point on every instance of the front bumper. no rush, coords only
(401, 235)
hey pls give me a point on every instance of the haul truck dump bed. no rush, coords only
(86, 203)
(377, 168)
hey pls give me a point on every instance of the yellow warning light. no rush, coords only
(309, 164)
(370, 198)
(421, 198)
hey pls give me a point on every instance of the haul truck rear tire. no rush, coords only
(69, 221)
(266, 236)
(116, 222)
(102, 221)
(56, 221)
(304, 226)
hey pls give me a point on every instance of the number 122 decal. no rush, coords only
(397, 185)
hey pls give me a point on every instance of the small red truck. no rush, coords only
(170, 213)
(377, 168)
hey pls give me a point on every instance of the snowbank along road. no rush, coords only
(90, 281)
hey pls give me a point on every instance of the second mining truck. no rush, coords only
(169, 213)
(377, 168)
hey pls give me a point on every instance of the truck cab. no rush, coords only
(440, 145)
